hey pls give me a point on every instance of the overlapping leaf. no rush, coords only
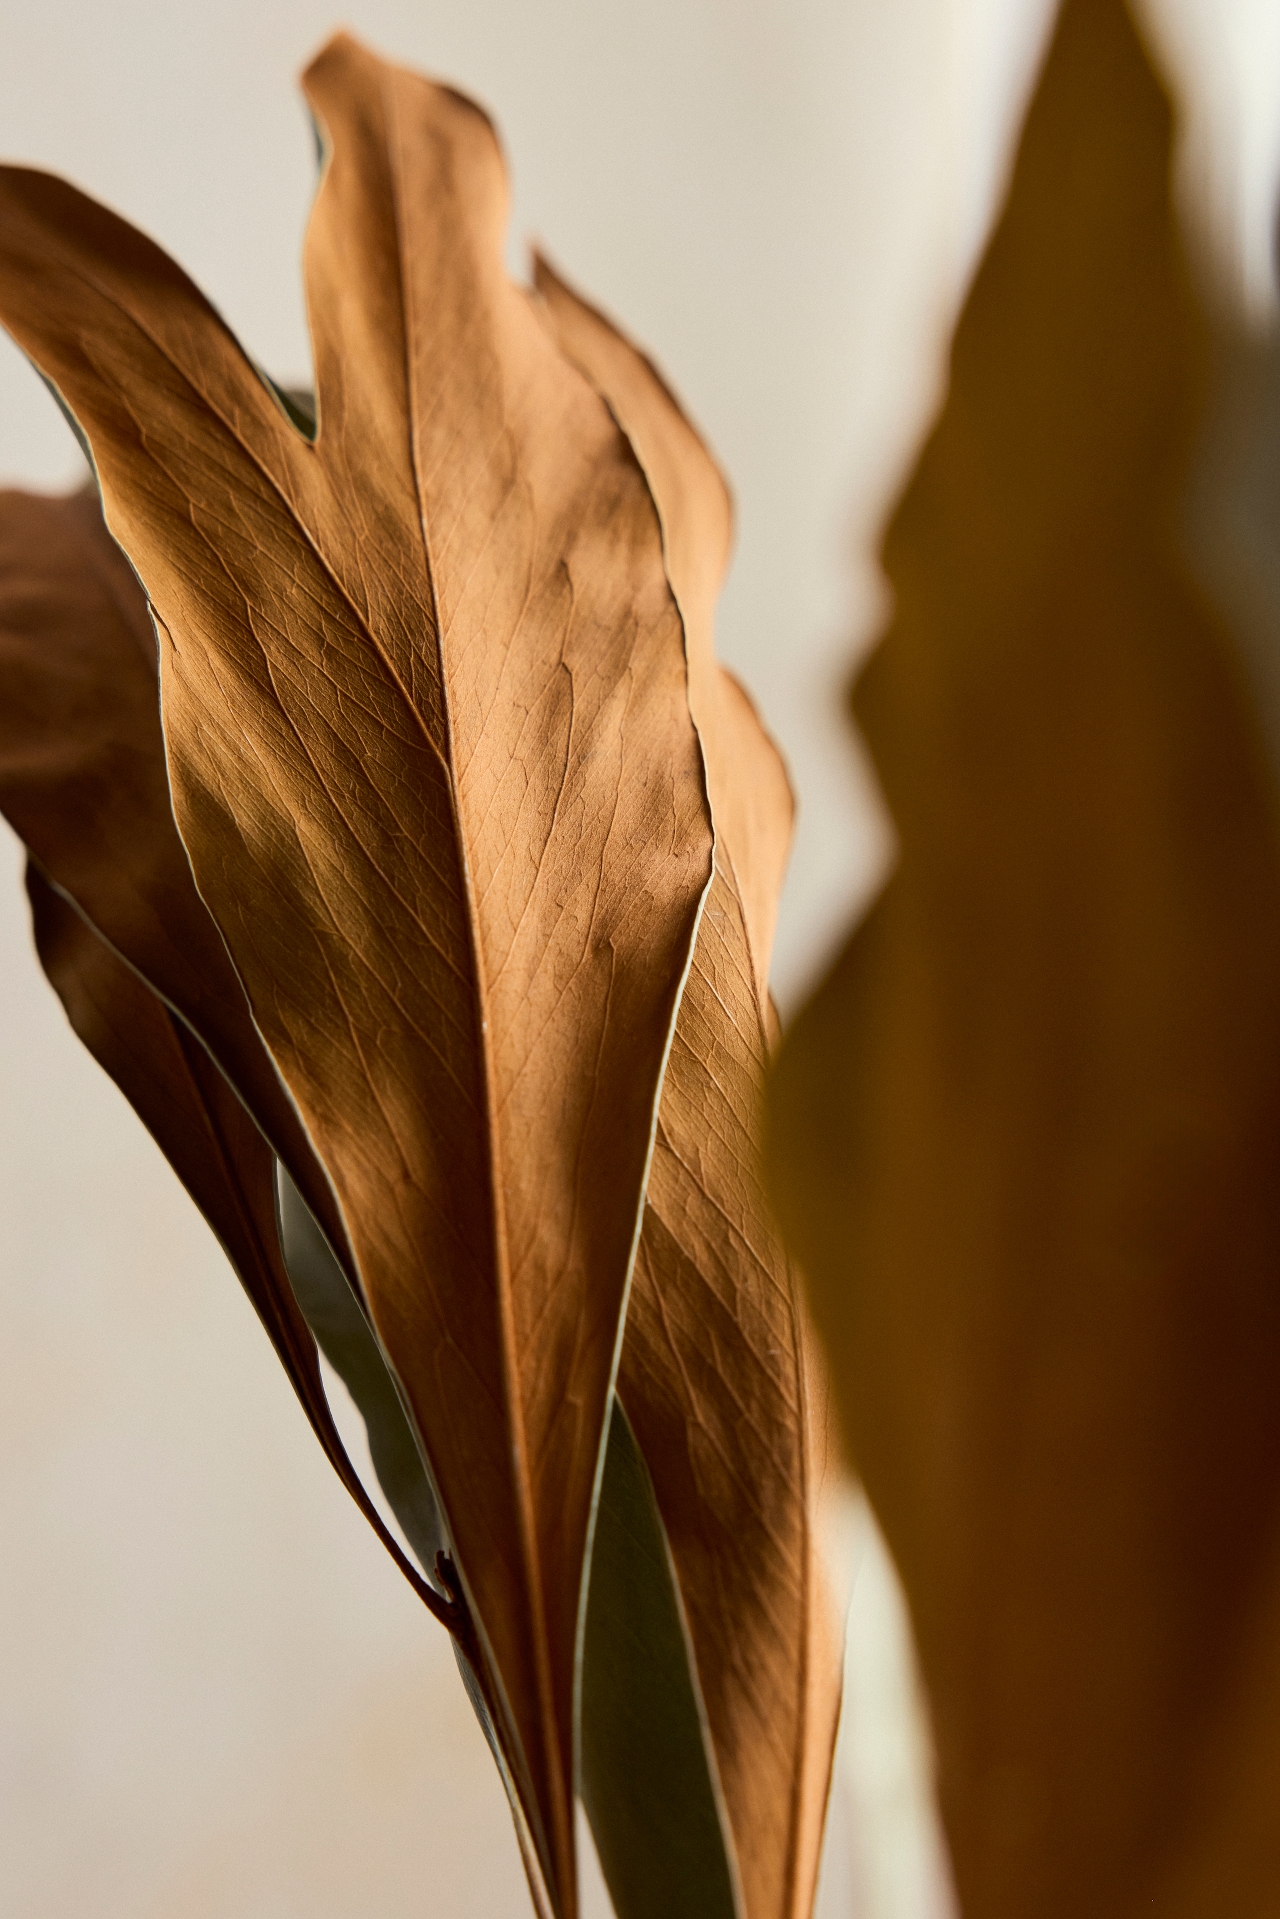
(213, 1144)
(713, 1369)
(82, 781)
(82, 775)
(125, 937)
(1025, 1136)
(83, 742)
(647, 1775)
(430, 752)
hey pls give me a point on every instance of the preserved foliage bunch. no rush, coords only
(424, 918)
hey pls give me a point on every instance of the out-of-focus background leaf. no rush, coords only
(1024, 1136)
(217, 1701)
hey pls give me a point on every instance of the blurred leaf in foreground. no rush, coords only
(1026, 1136)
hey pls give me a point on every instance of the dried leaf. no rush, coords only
(207, 1136)
(424, 693)
(1024, 1136)
(747, 781)
(83, 784)
(713, 1369)
(82, 774)
(83, 781)
(51, 617)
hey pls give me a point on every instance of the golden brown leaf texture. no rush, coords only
(426, 717)
(1025, 1136)
(121, 931)
(712, 1372)
(444, 738)
(82, 781)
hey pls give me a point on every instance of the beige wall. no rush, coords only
(217, 1701)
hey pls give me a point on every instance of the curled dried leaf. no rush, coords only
(713, 1373)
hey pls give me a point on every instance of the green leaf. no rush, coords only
(647, 1782)
(347, 1340)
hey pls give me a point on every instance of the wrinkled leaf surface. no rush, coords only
(713, 1368)
(425, 703)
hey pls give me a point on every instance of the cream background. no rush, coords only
(217, 1700)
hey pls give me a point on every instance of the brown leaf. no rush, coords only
(1024, 1137)
(82, 776)
(209, 1139)
(83, 784)
(425, 702)
(713, 1368)
(746, 779)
